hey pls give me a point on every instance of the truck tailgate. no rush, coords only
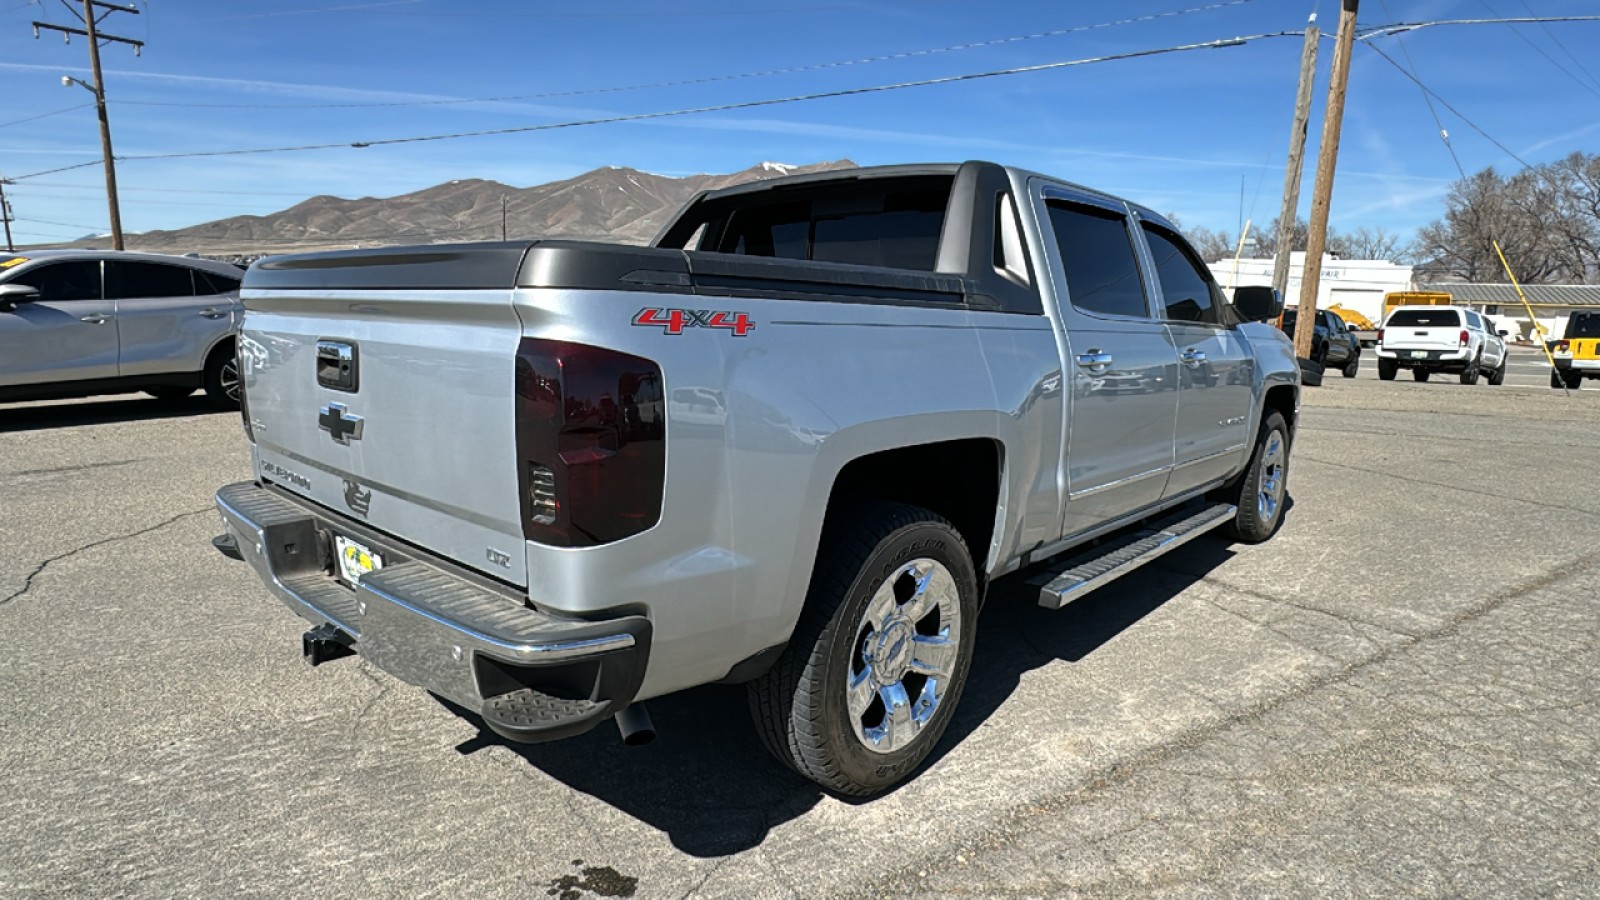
(394, 408)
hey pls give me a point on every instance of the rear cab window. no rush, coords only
(1425, 318)
(1584, 325)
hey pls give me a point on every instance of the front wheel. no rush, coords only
(1265, 484)
(1498, 375)
(876, 664)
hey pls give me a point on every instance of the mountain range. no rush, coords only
(620, 205)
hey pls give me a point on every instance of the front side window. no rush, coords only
(79, 280)
(1098, 259)
(1186, 291)
(129, 280)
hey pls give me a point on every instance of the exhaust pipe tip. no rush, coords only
(633, 721)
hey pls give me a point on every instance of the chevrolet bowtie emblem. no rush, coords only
(336, 421)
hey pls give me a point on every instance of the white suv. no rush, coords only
(1428, 339)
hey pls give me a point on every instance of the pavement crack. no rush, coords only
(27, 584)
(1447, 486)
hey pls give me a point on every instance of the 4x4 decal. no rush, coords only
(676, 320)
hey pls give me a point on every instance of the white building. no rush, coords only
(1357, 284)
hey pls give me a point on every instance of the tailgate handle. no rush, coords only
(338, 365)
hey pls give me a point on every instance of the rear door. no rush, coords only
(68, 334)
(1122, 368)
(1216, 370)
(167, 318)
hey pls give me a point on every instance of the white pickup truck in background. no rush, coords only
(1428, 339)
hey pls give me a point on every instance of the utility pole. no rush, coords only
(502, 217)
(1297, 151)
(1322, 188)
(5, 213)
(91, 31)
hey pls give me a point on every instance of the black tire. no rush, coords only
(1352, 367)
(800, 707)
(1574, 381)
(221, 378)
(1556, 380)
(1498, 375)
(1470, 374)
(1320, 354)
(1387, 369)
(1262, 490)
(169, 392)
(1420, 374)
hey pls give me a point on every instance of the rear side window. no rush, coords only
(897, 229)
(1097, 257)
(63, 280)
(1425, 318)
(1584, 326)
(130, 280)
(212, 283)
(1189, 295)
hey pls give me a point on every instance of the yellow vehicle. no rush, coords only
(1414, 298)
(1353, 320)
(1577, 351)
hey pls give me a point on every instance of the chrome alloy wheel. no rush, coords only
(229, 378)
(1271, 479)
(909, 638)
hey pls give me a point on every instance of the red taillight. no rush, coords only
(1380, 335)
(591, 443)
(1463, 337)
(1563, 346)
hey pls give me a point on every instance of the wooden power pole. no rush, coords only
(1297, 151)
(1322, 188)
(91, 31)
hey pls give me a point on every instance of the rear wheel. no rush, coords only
(1469, 375)
(1556, 380)
(1420, 374)
(876, 664)
(1387, 369)
(1353, 366)
(221, 378)
(1265, 484)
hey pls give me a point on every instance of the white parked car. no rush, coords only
(1428, 339)
(80, 322)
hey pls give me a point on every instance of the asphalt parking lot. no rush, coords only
(1394, 696)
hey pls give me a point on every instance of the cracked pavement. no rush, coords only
(1394, 696)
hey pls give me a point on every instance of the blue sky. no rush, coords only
(1202, 133)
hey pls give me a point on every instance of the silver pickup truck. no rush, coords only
(790, 445)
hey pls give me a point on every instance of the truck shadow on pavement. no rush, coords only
(710, 785)
(133, 408)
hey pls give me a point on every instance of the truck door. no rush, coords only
(1121, 366)
(67, 334)
(1216, 370)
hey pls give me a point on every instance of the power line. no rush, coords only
(724, 107)
(713, 79)
(1552, 35)
(45, 115)
(1442, 102)
(1541, 51)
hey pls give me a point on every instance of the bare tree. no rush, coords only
(1546, 219)
(1369, 243)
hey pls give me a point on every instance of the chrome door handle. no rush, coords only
(1094, 359)
(211, 312)
(95, 319)
(1192, 357)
